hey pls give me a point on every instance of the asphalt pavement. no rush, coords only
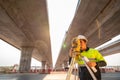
(52, 76)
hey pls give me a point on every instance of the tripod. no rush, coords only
(85, 59)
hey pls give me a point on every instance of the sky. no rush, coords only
(10, 55)
(61, 13)
(113, 60)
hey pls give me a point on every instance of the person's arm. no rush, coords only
(100, 60)
(70, 52)
(70, 56)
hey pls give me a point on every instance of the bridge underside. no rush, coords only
(24, 24)
(99, 21)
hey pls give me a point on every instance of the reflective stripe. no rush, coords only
(81, 62)
(91, 58)
(82, 65)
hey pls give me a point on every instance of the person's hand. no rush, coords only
(91, 64)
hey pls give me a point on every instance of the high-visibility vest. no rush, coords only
(91, 54)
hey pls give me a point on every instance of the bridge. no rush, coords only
(24, 24)
(99, 21)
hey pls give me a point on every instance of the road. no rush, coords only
(58, 76)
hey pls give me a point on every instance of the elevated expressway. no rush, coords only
(99, 21)
(24, 24)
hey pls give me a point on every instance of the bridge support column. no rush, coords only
(43, 64)
(25, 61)
(65, 64)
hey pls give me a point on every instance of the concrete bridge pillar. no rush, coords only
(25, 61)
(43, 64)
(65, 63)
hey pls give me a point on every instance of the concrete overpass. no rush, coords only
(99, 21)
(24, 24)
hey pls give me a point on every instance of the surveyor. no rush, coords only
(79, 44)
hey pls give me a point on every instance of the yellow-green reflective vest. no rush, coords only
(91, 54)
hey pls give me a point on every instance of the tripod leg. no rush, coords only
(70, 69)
(76, 72)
